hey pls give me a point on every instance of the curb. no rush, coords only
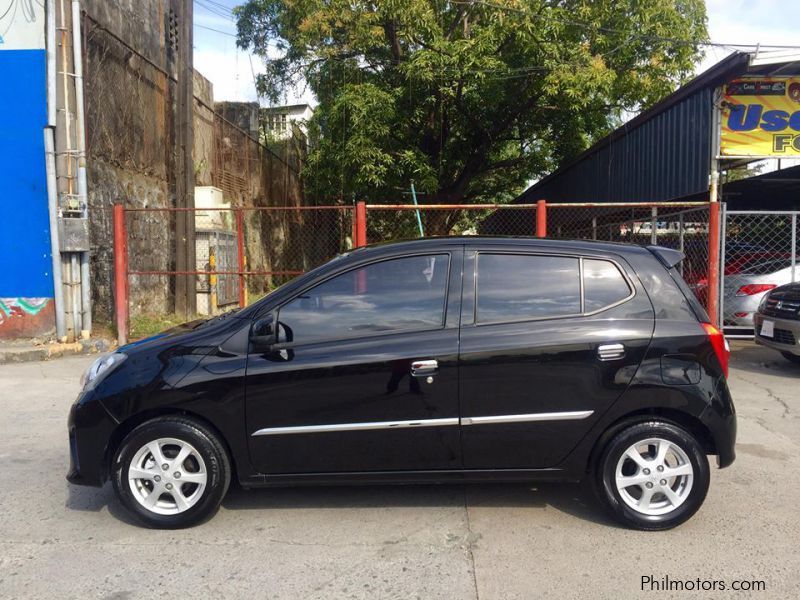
(19, 354)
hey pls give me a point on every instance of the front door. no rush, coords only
(548, 343)
(364, 376)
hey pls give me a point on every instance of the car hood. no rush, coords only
(789, 288)
(180, 333)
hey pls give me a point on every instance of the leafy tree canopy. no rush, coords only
(467, 99)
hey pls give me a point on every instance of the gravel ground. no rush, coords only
(488, 542)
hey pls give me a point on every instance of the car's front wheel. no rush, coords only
(171, 472)
(653, 475)
(791, 357)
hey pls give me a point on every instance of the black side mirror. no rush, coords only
(262, 335)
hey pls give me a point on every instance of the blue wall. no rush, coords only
(26, 269)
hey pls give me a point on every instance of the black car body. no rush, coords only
(484, 359)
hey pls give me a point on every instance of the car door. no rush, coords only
(364, 374)
(548, 343)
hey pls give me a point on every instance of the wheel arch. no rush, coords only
(132, 422)
(682, 419)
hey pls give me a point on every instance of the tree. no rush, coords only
(467, 99)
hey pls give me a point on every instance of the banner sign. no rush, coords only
(761, 117)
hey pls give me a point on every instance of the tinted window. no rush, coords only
(516, 287)
(603, 284)
(393, 295)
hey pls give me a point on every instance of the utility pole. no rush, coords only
(180, 23)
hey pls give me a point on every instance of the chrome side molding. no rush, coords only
(551, 416)
(357, 426)
(488, 420)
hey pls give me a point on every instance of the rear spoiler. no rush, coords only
(668, 257)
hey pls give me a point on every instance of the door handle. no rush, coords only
(610, 351)
(423, 368)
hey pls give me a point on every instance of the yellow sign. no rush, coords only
(761, 117)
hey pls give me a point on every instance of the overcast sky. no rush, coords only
(231, 70)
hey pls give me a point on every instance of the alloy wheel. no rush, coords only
(654, 476)
(167, 476)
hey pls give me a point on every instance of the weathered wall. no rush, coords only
(130, 133)
(128, 129)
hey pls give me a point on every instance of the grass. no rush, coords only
(150, 324)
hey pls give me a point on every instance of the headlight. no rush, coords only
(763, 302)
(100, 368)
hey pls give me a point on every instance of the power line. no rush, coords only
(215, 30)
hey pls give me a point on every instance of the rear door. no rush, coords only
(548, 343)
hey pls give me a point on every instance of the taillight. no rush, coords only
(720, 345)
(755, 288)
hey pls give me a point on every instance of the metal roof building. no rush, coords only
(668, 152)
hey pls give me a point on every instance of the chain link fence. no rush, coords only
(241, 254)
(760, 253)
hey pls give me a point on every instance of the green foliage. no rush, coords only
(468, 99)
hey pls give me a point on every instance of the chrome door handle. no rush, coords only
(610, 351)
(423, 368)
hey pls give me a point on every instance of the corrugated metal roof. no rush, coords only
(662, 154)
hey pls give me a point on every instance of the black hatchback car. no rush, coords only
(438, 360)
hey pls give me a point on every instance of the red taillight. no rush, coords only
(755, 288)
(720, 345)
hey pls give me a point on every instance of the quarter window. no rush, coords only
(603, 285)
(519, 287)
(400, 294)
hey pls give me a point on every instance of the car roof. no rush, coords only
(510, 241)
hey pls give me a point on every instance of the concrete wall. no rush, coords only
(26, 281)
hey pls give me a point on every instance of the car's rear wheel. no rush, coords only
(653, 475)
(171, 472)
(791, 357)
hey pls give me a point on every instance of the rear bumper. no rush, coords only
(720, 419)
(90, 428)
(780, 342)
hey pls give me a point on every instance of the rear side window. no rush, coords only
(519, 287)
(603, 285)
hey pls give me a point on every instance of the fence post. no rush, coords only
(713, 262)
(654, 226)
(240, 252)
(361, 224)
(541, 218)
(121, 274)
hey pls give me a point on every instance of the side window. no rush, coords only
(400, 294)
(603, 284)
(518, 287)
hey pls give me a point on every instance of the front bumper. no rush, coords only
(90, 428)
(787, 334)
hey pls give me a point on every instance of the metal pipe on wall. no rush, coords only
(77, 60)
(52, 208)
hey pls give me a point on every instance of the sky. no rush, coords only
(232, 71)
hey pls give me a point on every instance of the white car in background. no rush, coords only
(744, 290)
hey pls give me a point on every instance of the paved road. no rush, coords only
(490, 542)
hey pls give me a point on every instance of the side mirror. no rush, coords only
(262, 335)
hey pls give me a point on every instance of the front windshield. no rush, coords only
(255, 307)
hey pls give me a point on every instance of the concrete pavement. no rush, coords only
(487, 542)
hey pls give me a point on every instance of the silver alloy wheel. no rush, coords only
(654, 476)
(167, 476)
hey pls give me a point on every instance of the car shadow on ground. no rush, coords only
(748, 357)
(572, 499)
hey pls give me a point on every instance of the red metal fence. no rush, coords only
(243, 253)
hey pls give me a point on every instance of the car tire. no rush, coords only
(652, 475)
(182, 461)
(791, 357)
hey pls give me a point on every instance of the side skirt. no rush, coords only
(409, 477)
